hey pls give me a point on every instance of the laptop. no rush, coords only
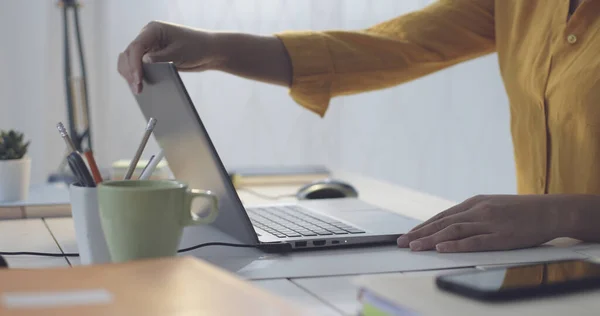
(193, 159)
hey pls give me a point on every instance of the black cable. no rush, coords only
(74, 254)
(215, 244)
(44, 254)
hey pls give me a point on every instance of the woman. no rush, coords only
(549, 56)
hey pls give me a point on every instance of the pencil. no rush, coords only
(138, 153)
(80, 170)
(63, 132)
(152, 166)
(89, 156)
(146, 167)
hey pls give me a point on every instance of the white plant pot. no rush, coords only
(14, 179)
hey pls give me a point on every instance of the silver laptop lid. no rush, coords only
(188, 149)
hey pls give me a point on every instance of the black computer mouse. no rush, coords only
(3, 263)
(326, 189)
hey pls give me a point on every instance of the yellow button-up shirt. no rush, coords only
(550, 64)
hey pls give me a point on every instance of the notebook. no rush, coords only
(170, 286)
(277, 175)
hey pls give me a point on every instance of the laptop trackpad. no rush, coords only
(337, 205)
(378, 221)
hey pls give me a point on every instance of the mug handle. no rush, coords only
(192, 219)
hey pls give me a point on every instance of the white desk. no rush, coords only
(45, 200)
(327, 294)
(30, 235)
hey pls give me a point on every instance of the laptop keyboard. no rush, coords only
(294, 221)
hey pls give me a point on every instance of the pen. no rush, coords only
(80, 170)
(152, 166)
(89, 156)
(146, 167)
(63, 132)
(138, 153)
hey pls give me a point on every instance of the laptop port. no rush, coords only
(300, 244)
(335, 242)
(319, 243)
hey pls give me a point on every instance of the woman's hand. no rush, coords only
(189, 49)
(496, 222)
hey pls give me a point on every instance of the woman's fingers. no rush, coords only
(450, 233)
(486, 242)
(130, 61)
(123, 67)
(464, 206)
(432, 228)
(510, 222)
(161, 55)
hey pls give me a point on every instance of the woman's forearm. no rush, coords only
(581, 218)
(262, 58)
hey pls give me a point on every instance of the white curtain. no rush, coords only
(446, 134)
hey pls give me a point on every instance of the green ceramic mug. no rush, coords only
(145, 218)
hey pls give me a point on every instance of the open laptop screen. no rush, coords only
(188, 149)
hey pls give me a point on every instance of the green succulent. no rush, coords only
(12, 145)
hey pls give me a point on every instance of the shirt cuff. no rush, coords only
(312, 69)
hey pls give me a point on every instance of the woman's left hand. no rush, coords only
(494, 222)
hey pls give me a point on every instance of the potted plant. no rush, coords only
(15, 166)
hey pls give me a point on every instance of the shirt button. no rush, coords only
(571, 38)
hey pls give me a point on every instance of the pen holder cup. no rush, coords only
(88, 229)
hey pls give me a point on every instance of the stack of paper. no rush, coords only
(252, 176)
(119, 169)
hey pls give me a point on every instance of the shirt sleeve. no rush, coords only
(327, 64)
